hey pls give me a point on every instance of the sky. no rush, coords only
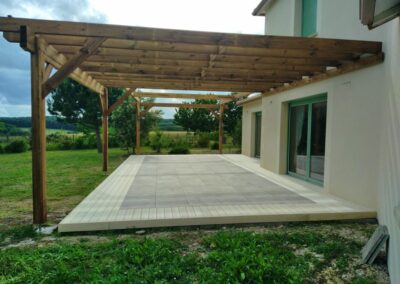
(203, 15)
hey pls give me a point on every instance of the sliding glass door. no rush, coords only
(257, 135)
(307, 130)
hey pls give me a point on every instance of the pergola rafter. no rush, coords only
(99, 56)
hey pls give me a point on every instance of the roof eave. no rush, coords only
(261, 7)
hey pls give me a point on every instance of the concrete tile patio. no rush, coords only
(176, 190)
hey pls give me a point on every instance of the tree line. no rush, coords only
(74, 104)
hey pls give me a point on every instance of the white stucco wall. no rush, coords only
(389, 150)
(363, 121)
(248, 128)
(282, 17)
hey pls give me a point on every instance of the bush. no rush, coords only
(16, 146)
(214, 146)
(237, 134)
(156, 141)
(180, 148)
(204, 140)
(1, 149)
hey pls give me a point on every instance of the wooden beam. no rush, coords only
(138, 118)
(267, 53)
(88, 49)
(223, 61)
(183, 96)
(38, 138)
(228, 80)
(57, 60)
(156, 45)
(47, 71)
(190, 85)
(98, 61)
(104, 99)
(27, 39)
(221, 129)
(181, 105)
(213, 73)
(362, 63)
(120, 100)
(190, 37)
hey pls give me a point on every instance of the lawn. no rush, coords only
(288, 253)
(71, 175)
(292, 253)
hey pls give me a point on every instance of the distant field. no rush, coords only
(51, 131)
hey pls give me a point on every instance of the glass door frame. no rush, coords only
(309, 101)
(257, 134)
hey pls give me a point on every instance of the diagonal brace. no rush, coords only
(90, 47)
(121, 99)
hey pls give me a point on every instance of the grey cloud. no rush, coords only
(14, 62)
(72, 10)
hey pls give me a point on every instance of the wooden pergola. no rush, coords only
(99, 56)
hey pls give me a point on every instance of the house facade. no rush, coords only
(340, 136)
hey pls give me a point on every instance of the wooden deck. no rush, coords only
(157, 191)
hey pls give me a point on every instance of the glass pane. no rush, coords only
(258, 135)
(298, 140)
(309, 17)
(318, 130)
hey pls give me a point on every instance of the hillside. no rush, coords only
(25, 122)
(168, 125)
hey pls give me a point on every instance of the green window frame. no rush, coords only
(309, 101)
(308, 18)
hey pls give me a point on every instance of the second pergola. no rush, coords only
(100, 56)
(143, 107)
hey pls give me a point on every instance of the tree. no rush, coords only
(8, 130)
(232, 117)
(124, 122)
(206, 120)
(76, 104)
(197, 119)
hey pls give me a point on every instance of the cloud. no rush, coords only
(15, 86)
(7, 109)
(71, 10)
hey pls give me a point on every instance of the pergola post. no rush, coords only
(138, 127)
(38, 137)
(221, 128)
(104, 98)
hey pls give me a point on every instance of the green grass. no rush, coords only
(71, 175)
(291, 253)
(286, 254)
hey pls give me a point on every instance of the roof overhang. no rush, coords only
(375, 13)
(262, 7)
(100, 56)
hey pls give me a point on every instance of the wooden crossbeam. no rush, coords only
(362, 63)
(57, 60)
(183, 96)
(189, 85)
(172, 53)
(146, 63)
(181, 105)
(120, 100)
(226, 80)
(90, 47)
(229, 62)
(189, 71)
(156, 45)
(190, 37)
